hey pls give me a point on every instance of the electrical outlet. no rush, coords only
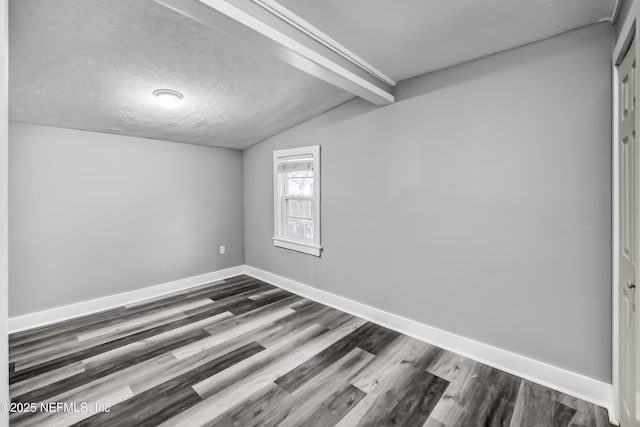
(223, 250)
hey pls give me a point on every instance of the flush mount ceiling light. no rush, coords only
(168, 98)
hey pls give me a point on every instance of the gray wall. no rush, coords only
(93, 214)
(623, 14)
(479, 203)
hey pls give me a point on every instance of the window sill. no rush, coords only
(297, 246)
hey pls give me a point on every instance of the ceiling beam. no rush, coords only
(292, 19)
(291, 39)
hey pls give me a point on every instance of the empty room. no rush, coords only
(319, 213)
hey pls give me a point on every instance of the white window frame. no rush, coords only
(280, 239)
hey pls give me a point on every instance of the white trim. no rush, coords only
(568, 382)
(615, 229)
(241, 16)
(565, 381)
(58, 314)
(614, 249)
(297, 246)
(279, 236)
(614, 244)
(628, 32)
(291, 45)
(296, 21)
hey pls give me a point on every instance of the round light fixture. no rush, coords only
(168, 98)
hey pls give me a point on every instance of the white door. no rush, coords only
(628, 243)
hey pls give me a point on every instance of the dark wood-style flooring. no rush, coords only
(241, 352)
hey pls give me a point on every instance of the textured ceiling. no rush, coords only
(405, 38)
(93, 65)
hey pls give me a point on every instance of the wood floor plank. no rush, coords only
(213, 340)
(176, 367)
(256, 410)
(232, 328)
(307, 403)
(18, 338)
(87, 376)
(291, 323)
(278, 368)
(460, 372)
(319, 394)
(18, 354)
(369, 337)
(562, 415)
(260, 310)
(492, 399)
(66, 418)
(173, 296)
(164, 405)
(70, 347)
(220, 402)
(46, 379)
(410, 399)
(403, 352)
(70, 329)
(304, 303)
(148, 344)
(415, 359)
(535, 406)
(146, 375)
(409, 405)
(145, 321)
(229, 376)
(168, 399)
(331, 410)
(115, 315)
(94, 391)
(262, 361)
(241, 352)
(432, 422)
(198, 314)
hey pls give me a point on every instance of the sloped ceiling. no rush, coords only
(405, 38)
(93, 64)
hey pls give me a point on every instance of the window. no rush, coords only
(296, 185)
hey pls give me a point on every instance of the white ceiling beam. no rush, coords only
(292, 40)
(292, 19)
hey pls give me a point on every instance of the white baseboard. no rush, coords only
(559, 379)
(568, 382)
(58, 314)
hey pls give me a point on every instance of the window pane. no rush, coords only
(295, 164)
(305, 174)
(300, 228)
(299, 186)
(300, 208)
